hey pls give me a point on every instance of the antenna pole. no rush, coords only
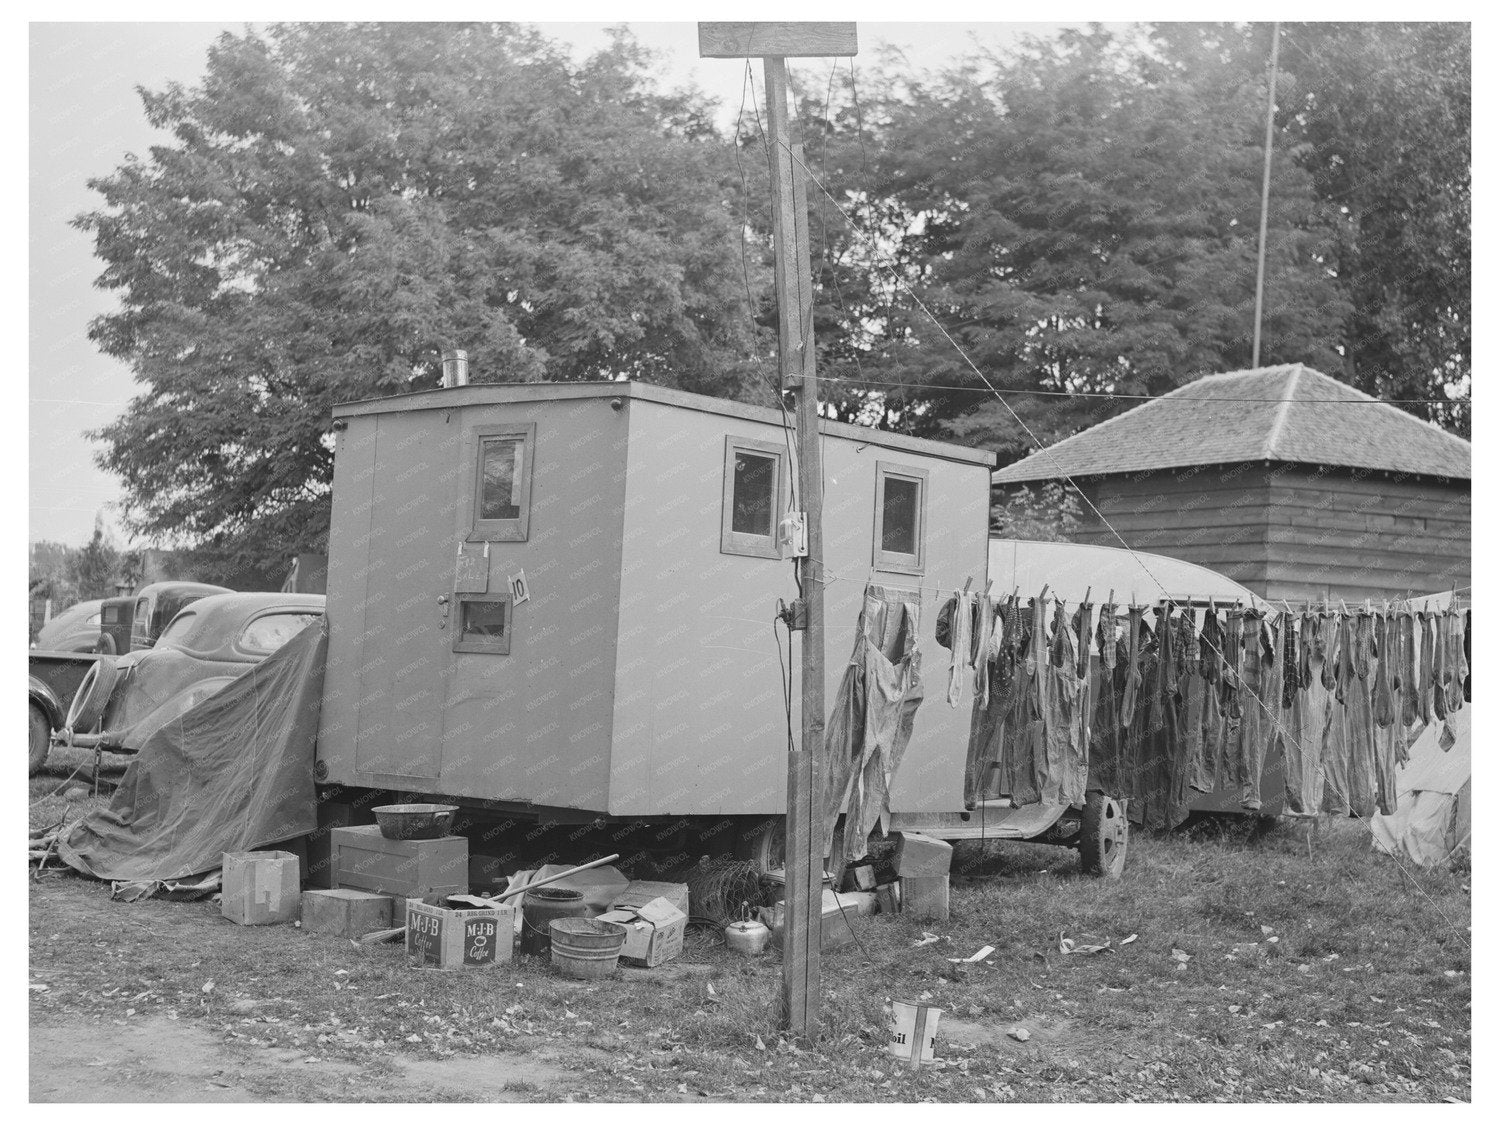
(1265, 197)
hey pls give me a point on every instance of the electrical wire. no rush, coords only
(876, 384)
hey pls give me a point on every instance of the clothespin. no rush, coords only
(987, 587)
(1087, 592)
(1111, 601)
(967, 583)
(1043, 595)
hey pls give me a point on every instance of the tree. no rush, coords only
(93, 569)
(341, 203)
(1049, 512)
(1081, 219)
(1381, 119)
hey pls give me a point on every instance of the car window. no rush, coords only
(180, 625)
(267, 634)
(93, 618)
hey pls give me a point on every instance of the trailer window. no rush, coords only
(900, 518)
(484, 624)
(753, 485)
(502, 483)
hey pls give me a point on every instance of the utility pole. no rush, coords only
(1265, 197)
(774, 43)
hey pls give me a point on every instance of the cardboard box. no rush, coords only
(460, 939)
(641, 891)
(917, 854)
(345, 913)
(864, 878)
(260, 888)
(925, 896)
(366, 861)
(653, 931)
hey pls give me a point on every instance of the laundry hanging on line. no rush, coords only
(1203, 699)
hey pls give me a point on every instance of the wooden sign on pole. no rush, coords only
(801, 965)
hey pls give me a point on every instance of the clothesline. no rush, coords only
(1187, 703)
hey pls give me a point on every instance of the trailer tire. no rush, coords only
(93, 694)
(1104, 836)
(40, 733)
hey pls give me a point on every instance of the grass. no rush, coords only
(1363, 995)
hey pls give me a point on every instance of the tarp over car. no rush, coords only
(233, 773)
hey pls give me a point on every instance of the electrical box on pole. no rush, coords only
(774, 43)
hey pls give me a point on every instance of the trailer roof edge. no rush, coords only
(484, 394)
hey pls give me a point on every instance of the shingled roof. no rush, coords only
(1289, 413)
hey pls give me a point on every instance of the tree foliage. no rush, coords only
(1073, 223)
(339, 204)
(1380, 116)
(1082, 217)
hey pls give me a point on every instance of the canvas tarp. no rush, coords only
(1432, 814)
(231, 774)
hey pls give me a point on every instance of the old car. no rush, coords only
(135, 621)
(124, 699)
(75, 629)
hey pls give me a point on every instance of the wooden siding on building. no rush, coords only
(1292, 531)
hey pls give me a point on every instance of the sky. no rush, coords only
(85, 116)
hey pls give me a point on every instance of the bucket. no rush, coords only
(540, 907)
(585, 948)
(913, 1031)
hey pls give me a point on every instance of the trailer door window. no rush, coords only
(900, 518)
(753, 484)
(502, 484)
(483, 624)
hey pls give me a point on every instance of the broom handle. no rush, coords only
(554, 878)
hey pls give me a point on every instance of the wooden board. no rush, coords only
(787, 39)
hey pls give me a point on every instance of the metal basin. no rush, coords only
(415, 822)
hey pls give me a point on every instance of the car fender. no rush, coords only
(45, 698)
(174, 708)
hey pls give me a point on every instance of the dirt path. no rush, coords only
(160, 1060)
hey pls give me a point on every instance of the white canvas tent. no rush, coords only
(1431, 820)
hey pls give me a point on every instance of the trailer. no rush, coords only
(557, 601)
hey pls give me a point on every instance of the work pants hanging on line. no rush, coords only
(871, 720)
(1064, 703)
(1390, 732)
(1021, 746)
(1230, 699)
(1106, 742)
(1255, 696)
(960, 669)
(991, 721)
(1302, 739)
(1206, 737)
(1359, 706)
(1336, 738)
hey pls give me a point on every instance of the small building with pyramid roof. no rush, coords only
(1288, 481)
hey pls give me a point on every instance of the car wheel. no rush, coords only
(41, 738)
(93, 694)
(1103, 836)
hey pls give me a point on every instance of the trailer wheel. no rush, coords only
(88, 704)
(41, 735)
(1104, 836)
(767, 850)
